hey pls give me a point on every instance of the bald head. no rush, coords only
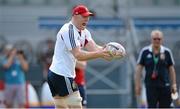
(156, 38)
(156, 34)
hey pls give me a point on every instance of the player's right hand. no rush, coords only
(106, 55)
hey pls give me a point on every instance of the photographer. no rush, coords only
(14, 65)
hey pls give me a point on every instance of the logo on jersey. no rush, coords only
(149, 56)
(162, 56)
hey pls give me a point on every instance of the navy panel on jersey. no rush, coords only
(71, 36)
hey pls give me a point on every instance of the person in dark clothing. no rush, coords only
(160, 77)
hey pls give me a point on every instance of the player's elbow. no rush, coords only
(78, 53)
(78, 56)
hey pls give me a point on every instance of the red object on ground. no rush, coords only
(27, 101)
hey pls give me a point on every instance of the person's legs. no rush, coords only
(165, 97)
(21, 96)
(71, 101)
(74, 100)
(9, 95)
(60, 102)
(152, 97)
(82, 91)
(64, 91)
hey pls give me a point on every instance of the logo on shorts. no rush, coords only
(74, 85)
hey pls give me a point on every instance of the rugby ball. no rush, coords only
(116, 49)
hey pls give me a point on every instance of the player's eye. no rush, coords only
(157, 39)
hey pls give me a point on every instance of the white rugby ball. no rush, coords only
(116, 49)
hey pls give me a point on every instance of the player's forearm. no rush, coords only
(172, 75)
(84, 55)
(92, 46)
(137, 76)
(24, 64)
(137, 79)
(9, 62)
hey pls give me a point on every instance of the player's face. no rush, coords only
(82, 22)
(156, 40)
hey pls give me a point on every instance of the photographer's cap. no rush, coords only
(82, 10)
(8, 46)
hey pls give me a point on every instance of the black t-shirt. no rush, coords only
(165, 60)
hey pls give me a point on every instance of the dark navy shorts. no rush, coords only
(60, 85)
(160, 96)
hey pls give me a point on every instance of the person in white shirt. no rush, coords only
(70, 39)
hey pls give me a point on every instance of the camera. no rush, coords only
(20, 52)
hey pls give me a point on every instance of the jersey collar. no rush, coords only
(74, 26)
(162, 49)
